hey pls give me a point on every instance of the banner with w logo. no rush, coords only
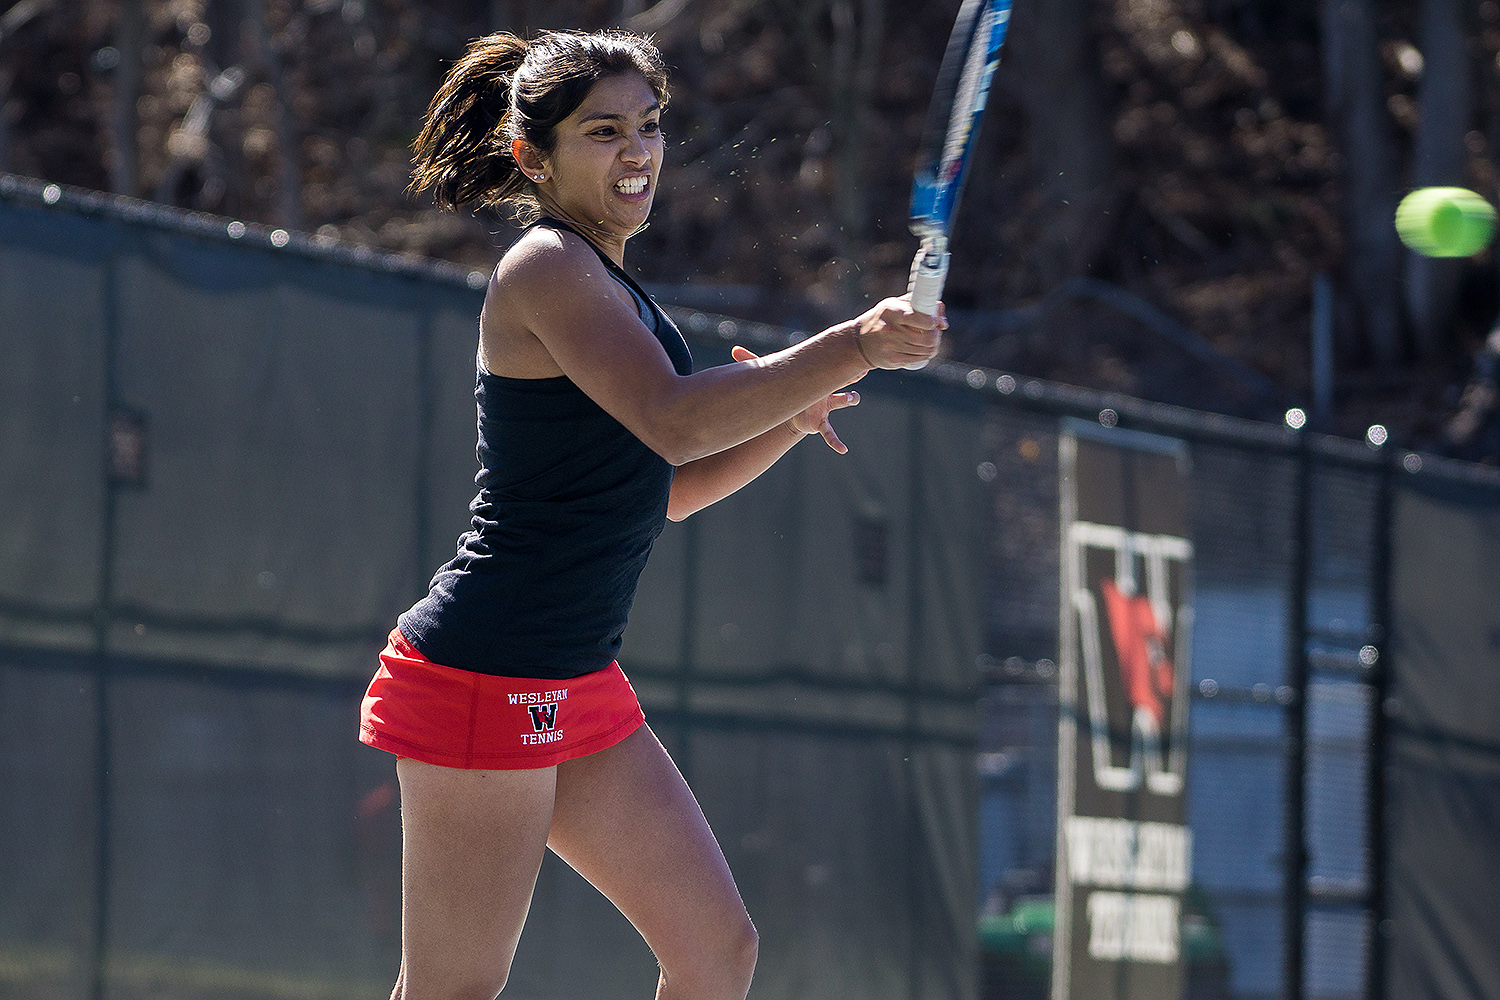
(1124, 854)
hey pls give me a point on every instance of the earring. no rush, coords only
(539, 177)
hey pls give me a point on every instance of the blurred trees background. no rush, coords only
(1159, 185)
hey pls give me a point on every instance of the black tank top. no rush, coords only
(569, 505)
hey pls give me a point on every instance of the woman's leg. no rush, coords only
(626, 821)
(472, 843)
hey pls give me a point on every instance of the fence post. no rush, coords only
(687, 649)
(1380, 680)
(426, 419)
(915, 635)
(103, 614)
(1294, 848)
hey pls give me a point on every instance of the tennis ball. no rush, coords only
(1445, 222)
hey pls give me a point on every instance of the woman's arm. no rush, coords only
(711, 479)
(557, 287)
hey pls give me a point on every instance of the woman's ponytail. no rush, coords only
(463, 152)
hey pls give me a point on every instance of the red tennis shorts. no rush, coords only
(459, 718)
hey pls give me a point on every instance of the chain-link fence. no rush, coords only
(1304, 621)
(230, 456)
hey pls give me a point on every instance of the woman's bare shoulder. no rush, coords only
(525, 279)
(545, 263)
(549, 290)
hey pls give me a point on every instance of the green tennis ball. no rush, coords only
(1445, 222)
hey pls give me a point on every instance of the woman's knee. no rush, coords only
(746, 950)
(720, 964)
(740, 949)
(481, 987)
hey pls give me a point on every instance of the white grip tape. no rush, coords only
(928, 274)
(929, 271)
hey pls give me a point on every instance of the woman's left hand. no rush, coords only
(814, 419)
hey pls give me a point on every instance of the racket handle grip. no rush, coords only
(929, 272)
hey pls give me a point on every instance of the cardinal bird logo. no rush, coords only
(1141, 649)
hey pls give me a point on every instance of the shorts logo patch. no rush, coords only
(543, 717)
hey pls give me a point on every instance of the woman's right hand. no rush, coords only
(894, 335)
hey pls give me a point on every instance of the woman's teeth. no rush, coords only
(631, 185)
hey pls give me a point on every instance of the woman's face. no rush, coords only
(603, 169)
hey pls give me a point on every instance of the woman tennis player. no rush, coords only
(514, 728)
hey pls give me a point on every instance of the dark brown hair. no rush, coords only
(505, 88)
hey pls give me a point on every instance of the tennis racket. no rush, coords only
(958, 100)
